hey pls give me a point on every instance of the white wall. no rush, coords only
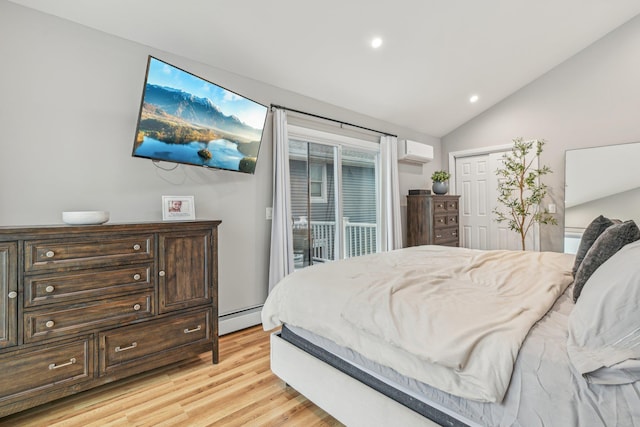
(69, 99)
(591, 99)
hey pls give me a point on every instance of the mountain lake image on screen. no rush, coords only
(186, 119)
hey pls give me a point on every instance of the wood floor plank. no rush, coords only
(240, 391)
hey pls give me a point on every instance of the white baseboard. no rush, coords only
(241, 320)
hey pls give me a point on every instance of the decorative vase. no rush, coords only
(440, 187)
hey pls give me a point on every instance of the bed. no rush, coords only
(434, 335)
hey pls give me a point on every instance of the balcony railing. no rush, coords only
(323, 242)
(359, 239)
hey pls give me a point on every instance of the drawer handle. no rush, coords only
(136, 247)
(454, 234)
(440, 220)
(50, 324)
(440, 205)
(438, 236)
(13, 294)
(49, 289)
(136, 307)
(133, 345)
(188, 331)
(161, 273)
(136, 276)
(53, 366)
(49, 254)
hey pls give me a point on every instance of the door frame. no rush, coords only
(454, 155)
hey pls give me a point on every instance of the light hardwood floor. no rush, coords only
(240, 391)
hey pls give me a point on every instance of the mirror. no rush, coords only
(600, 181)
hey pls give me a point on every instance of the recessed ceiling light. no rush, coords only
(474, 98)
(376, 42)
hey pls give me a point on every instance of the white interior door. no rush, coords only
(504, 238)
(477, 184)
(472, 184)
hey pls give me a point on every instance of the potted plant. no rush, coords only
(520, 191)
(440, 184)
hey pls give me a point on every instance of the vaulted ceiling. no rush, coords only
(435, 54)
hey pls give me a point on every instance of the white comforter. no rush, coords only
(450, 317)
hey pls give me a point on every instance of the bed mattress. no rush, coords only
(370, 373)
(545, 390)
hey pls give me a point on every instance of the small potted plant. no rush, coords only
(440, 184)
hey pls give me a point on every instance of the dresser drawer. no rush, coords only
(132, 344)
(445, 235)
(43, 255)
(449, 220)
(452, 205)
(69, 320)
(439, 206)
(445, 206)
(439, 221)
(64, 287)
(26, 373)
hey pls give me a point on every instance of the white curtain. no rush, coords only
(390, 195)
(281, 261)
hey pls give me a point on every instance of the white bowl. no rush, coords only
(85, 217)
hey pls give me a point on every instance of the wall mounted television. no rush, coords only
(187, 119)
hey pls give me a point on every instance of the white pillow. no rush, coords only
(604, 325)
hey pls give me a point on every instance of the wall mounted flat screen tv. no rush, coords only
(186, 119)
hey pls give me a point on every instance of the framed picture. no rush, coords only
(177, 208)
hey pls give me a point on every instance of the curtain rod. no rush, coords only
(332, 120)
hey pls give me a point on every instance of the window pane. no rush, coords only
(360, 202)
(298, 154)
(315, 172)
(314, 223)
(315, 189)
(323, 208)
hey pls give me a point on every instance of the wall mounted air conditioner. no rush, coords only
(415, 152)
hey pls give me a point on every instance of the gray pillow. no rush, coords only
(606, 245)
(591, 233)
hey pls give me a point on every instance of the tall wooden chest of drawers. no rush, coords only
(81, 306)
(433, 220)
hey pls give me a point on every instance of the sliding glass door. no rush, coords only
(334, 198)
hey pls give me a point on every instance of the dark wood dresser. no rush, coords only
(81, 306)
(433, 220)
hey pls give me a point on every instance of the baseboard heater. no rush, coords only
(241, 319)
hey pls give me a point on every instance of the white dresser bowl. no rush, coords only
(85, 217)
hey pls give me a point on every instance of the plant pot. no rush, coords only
(440, 187)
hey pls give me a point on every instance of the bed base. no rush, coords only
(345, 398)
